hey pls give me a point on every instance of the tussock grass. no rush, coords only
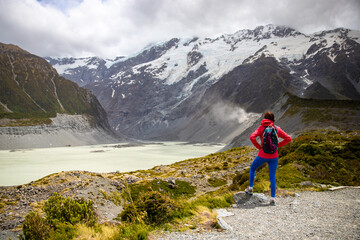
(115, 197)
(100, 232)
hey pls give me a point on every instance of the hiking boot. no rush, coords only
(272, 202)
(249, 191)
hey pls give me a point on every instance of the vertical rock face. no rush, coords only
(31, 89)
(174, 90)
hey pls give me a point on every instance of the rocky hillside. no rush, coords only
(314, 161)
(32, 93)
(205, 89)
(296, 115)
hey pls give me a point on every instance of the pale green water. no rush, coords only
(23, 166)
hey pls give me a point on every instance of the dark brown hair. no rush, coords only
(269, 115)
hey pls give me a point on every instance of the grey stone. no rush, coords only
(307, 184)
(243, 199)
(223, 213)
(223, 224)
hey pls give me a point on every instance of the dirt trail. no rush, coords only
(310, 215)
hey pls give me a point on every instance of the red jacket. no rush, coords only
(259, 133)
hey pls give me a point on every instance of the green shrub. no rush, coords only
(61, 216)
(115, 197)
(213, 202)
(177, 190)
(2, 205)
(239, 180)
(35, 227)
(353, 148)
(66, 210)
(180, 189)
(217, 182)
(309, 149)
(137, 231)
(288, 175)
(62, 231)
(151, 208)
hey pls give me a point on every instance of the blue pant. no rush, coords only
(272, 162)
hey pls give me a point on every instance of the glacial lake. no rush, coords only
(23, 166)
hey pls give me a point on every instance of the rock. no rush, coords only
(293, 204)
(307, 184)
(117, 184)
(223, 213)
(172, 184)
(336, 188)
(132, 179)
(243, 199)
(172, 181)
(223, 224)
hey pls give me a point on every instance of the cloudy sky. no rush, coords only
(109, 28)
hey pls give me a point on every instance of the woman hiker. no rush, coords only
(271, 157)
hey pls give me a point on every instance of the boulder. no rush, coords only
(243, 199)
(307, 184)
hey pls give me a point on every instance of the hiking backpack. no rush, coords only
(270, 139)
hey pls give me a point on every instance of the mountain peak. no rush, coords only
(11, 48)
(278, 31)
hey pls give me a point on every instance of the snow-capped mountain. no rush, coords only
(205, 89)
(82, 70)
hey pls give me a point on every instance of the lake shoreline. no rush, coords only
(19, 200)
(19, 167)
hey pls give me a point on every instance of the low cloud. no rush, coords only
(225, 112)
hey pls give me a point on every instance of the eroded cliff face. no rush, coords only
(65, 130)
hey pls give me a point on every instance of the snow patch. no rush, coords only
(305, 79)
(332, 57)
(92, 66)
(63, 68)
(110, 62)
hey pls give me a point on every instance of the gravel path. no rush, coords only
(311, 215)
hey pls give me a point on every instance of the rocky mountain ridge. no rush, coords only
(204, 89)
